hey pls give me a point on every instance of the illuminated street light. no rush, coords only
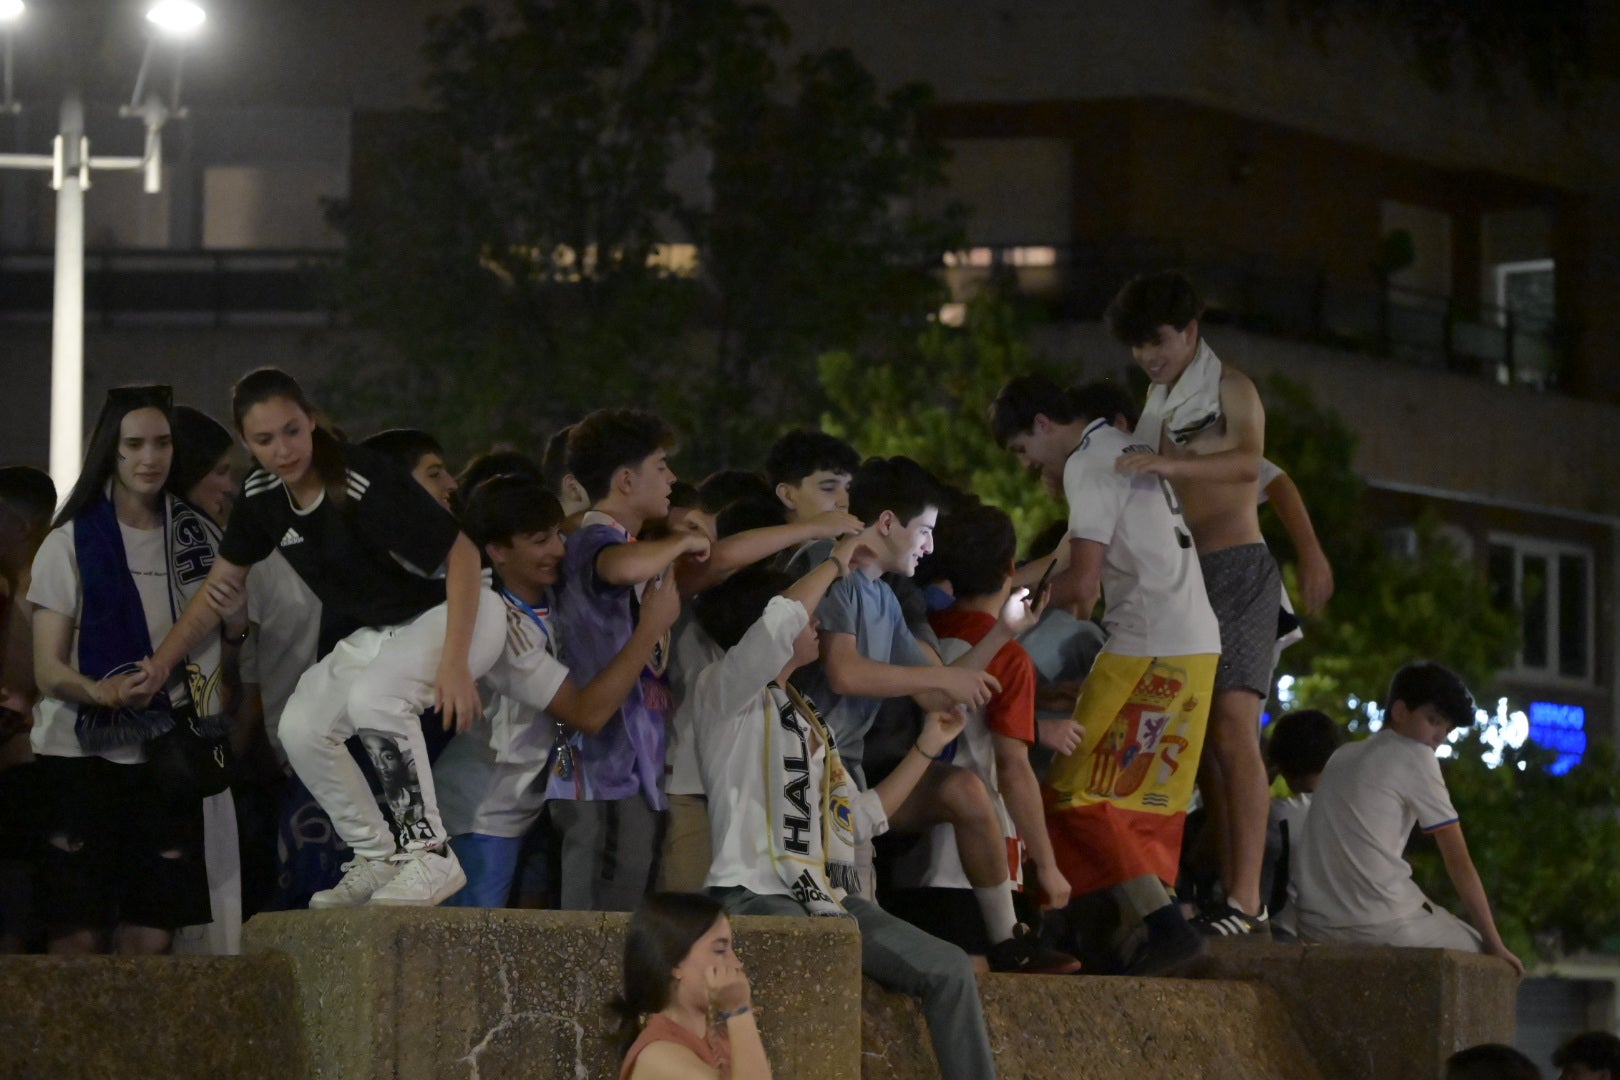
(70, 166)
(177, 18)
(10, 12)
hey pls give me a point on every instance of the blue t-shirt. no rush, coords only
(867, 608)
(595, 621)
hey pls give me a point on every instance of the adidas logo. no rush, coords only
(291, 537)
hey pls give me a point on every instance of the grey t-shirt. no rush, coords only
(867, 608)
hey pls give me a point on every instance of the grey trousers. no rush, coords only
(609, 847)
(898, 956)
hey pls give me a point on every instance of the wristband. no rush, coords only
(917, 746)
(721, 1018)
(843, 571)
(233, 639)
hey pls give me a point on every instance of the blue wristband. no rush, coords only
(738, 1011)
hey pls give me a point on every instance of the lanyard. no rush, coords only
(523, 606)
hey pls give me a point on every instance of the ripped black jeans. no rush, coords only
(112, 850)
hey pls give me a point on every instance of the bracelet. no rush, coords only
(843, 571)
(917, 746)
(721, 1018)
(233, 639)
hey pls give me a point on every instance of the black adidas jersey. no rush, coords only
(369, 561)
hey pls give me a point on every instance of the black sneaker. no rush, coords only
(1228, 921)
(1167, 953)
(1023, 954)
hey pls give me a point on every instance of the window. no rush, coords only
(1550, 585)
(1529, 290)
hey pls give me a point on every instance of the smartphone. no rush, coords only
(1038, 594)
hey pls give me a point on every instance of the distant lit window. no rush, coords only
(678, 259)
(1031, 256)
(1550, 584)
(1529, 290)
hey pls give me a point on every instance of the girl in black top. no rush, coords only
(368, 541)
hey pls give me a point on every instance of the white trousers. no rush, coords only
(1430, 927)
(376, 684)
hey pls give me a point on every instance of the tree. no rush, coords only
(630, 201)
(933, 405)
(1547, 42)
(1547, 847)
(1389, 607)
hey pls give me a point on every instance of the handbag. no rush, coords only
(193, 759)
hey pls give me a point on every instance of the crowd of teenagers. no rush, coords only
(818, 686)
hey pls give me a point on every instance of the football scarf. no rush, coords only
(812, 832)
(112, 623)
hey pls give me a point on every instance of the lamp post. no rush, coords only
(70, 165)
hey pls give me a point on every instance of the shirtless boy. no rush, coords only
(1209, 426)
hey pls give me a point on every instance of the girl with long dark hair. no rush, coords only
(685, 1010)
(378, 552)
(122, 560)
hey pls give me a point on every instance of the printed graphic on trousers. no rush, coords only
(400, 793)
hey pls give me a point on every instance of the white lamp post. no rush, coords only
(70, 165)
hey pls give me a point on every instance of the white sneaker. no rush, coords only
(361, 878)
(425, 878)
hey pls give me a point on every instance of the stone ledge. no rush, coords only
(461, 992)
(1377, 1011)
(175, 1017)
(1060, 1027)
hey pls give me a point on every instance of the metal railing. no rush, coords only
(1265, 295)
(218, 288)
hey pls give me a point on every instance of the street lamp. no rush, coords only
(10, 12)
(70, 165)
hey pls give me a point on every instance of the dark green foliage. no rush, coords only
(508, 252)
(932, 403)
(1547, 847)
(1547, 41)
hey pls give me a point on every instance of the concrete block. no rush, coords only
(113, 1018)
(1060, 1027)
(468, 993)
(1370, 1011)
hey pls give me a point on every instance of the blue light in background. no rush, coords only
(1561, 729)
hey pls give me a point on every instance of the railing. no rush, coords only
(217, 288)
(1304, 303)
(256, 287)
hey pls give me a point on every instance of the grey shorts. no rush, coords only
(1244, 588)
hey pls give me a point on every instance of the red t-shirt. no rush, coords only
(1011, 712)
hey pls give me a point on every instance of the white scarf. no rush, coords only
(1189, 407)
(812, 833)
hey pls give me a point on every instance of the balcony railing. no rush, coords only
(1262, 294)
(213, 288)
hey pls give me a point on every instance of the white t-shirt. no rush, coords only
(1290, 813)
(694, 650)
(737, 704)
(1350, 872)
(55, 587)
(1153, 588)
(489, 778)
(286, 620)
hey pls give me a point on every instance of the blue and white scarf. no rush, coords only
(112, 622)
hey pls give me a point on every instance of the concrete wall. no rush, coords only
(1360, 88)
(201, 364)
